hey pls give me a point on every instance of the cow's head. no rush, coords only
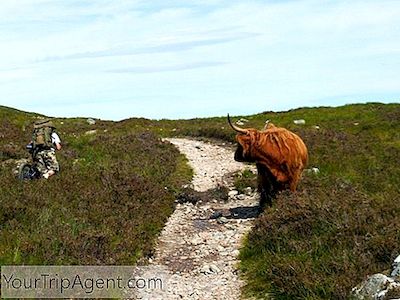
(245, 139)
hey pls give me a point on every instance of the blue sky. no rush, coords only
(193, 58)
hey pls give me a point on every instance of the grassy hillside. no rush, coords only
(112, 198)
(343, 222)
(340, 226)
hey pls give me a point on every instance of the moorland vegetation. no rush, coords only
(118, 185)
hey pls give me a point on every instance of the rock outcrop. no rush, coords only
(380, 286)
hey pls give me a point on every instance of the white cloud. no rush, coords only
(279, 54)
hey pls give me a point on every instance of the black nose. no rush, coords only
(239, 154)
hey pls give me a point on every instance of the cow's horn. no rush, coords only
(236, 128)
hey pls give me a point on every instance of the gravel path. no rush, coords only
(197, 256)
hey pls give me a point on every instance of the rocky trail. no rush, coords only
(197, 251)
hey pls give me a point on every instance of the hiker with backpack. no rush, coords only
(45, 142)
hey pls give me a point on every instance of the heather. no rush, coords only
(118, 185)
(342, 224)
(107, 205)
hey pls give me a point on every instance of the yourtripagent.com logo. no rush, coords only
(78, 281)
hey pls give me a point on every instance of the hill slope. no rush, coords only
(343, 223)
(111, 199)
(317, 244)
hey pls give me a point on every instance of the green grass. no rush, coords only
(340, 226)
(108, 204)
(245, 179)
(343, 223)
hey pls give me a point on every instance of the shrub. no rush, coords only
(107, 205)
(342, 224)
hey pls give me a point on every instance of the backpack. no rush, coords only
(42, 132)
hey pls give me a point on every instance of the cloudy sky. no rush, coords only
(115, 59)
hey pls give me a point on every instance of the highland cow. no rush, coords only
(279, 154)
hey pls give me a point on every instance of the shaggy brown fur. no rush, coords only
(280, 156)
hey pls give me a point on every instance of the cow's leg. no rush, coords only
(293, 186)
(265, 186)
(295, 181)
